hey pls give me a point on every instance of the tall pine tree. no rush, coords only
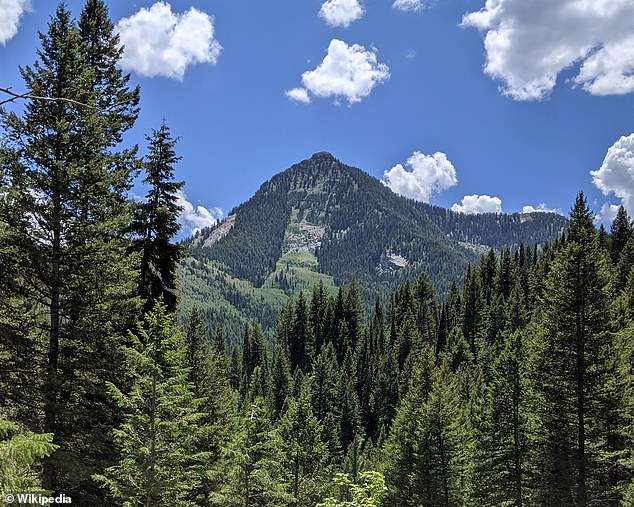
(158, 460)
(67, 213)
(570, 348)
(156, 222)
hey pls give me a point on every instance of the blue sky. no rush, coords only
(551, 105)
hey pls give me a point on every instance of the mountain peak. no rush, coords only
(322, 155)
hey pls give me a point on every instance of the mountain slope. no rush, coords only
(323, 220)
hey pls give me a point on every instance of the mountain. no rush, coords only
(323, 220)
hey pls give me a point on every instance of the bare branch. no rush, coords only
(27, 96)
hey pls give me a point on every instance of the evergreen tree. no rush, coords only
(502, 433)
(208, 376)
(156, 222)
(620, 233)
(67, 214)
(354, 311)
(197, 342)
(116, 101)
(443, 446)
(384, 397)
(348, 404)
(324, 382)
(398, 455)
(20, 450)
(304, 453)
(624, 265)
(281, 384)
(472, 316)
(318, 309)
(156, 442)
(301, 345)
(253, 352)
(570, 350)
(255, 476)
(625, 360)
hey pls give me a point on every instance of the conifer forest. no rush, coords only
(497, 377)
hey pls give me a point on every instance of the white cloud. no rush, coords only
(540, 208)
(349, 72)
(159, 42)
(298, 95)
(528, 44)
(607, 214)
(11, 12)
(473, 204)
(341, 12)
(408, 5)
(429, 174)
(616, 174)
(194, 218)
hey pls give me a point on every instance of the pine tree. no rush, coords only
(629, 292)
(253, 353)
(624, 265)
(398, 454)
(570, 350)
(318, 309)
(443, 446)
(68, 216)
(348, 404)
(625, 361)
(156, 442)
(20, 450)
(301, 345)
(427, 314)
(281, 384)
(502, 432)
(208, 376)
(354, 311)
(621, 231)
(472, 316)
(156, 222)
(384, 397)
(116, 101)
(255, 475)
(304, 453)
(197, 342)
(324, 382)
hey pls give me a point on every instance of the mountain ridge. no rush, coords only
(321, 219)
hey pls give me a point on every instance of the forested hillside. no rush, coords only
(323, 220)
(512, 387)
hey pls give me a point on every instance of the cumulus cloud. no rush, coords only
(408, 5)
(473, 204)
(194, 218)
(607, 214)
(428, 174)
(11, 12)
(298, 95)
(159, 42)
(616, 174)
(347, 72)
(540, 208)
(341, 12)
(528, 44)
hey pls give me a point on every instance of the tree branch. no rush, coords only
(27, 96)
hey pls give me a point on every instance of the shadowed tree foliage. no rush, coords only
(156, 223)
